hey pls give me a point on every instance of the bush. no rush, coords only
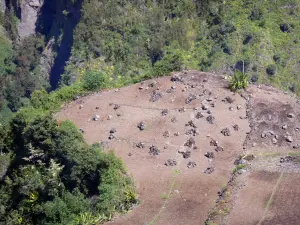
(94, 80)
(271, 70)
(238, 81)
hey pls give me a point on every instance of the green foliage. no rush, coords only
(271, 70)
(238, 81)
(57, 178)
(94, 80)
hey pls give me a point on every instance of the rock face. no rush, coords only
(2, 6)
(30, 10)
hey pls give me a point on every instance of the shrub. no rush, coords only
(94, 80)
(238, 81)
(271, 70)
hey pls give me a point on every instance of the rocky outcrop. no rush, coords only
(2, 6)
(28, 18)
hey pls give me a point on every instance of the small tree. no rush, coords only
(94, 80)
(238, 81)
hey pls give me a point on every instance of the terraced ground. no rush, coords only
(184, 155)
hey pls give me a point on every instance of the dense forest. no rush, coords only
(48, 174)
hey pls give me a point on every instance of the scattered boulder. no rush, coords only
(154, 150)
(141, 126)
(175, 78)
(190, 98)
(213, 104)
(219, 149)
(228, 99)
(199, 115)
(230, 108)
(97, 107)
(289, 138)
(209, 155)
(186, 154)
(116, 106)
(140, 145)
(111, 136)
(191, 164)
(192, 132)
(171, 162)
(209, 170)
(290, 115)
(226, 132)
(210, 119)
(287, 159)
(239, 161)
(80, 106)
(113, 130)
(164, 112)
(81, 130)
(236, 127)
(204, 107)
(176, 134)
(109, 117)
(274, 140)
(166, 134)
(208, 112)
(190, 142)
(96, 117)
(263, 134)
(213, 142)
(152, 84)
(249, 157)
(155, 96)
(181, 110)
(284, 127)
(239, 107)
(191, 124)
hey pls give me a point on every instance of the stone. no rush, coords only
(199, 115)
(97, 107)
(155, 96)
(190, 142)
(116, 106)
(219, 149)
(289, 138)
(181, 110)
(254, 144)
(81, 130)
(111, 136)
(96, 117)
(109, 117)
(80, 106)
(209, 155)
(213, 142)
(166, 134)
(191, 164)
(213, 104)
(274, 140)
(154, 150)
(229, 100)
(230, 108)
(284, 127)
(173, 87)
(141, 126)
(239, 107)
(249, 157)
(236, 127)
(191, 124)
(226, 132)
(176, 134)
(287, 159)
(171, 162)
(192, 132)
(113, 130)
(208, 112)
(209, 170)
(186, 154)
(204, 107)
(164, 112)
(190, 98)
(210, 119)
(175, 78)
(140, 145)
(173, 120)
(264, 134)
(290, 115)
(141, 88)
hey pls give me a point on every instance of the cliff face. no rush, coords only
(2, 6)
(28, 17)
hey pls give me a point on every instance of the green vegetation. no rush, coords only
(49, 175)
(238, 81)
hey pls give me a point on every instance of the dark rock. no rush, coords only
(141, 125)
(236, 127)
(181, 110)
(210, 119)
(155, 96)
(175, 78)
(209, 155)
(140, 145)
(191, 164)
(199, 115)
(164, 112)
(154, 150)
(116, 106)
(284, 127)
(219, 149)
(81, 130)
(190, 98)
(186, 154)
(204, 107)
(191, 124)
(287, 159)
(166, 134)
(171, 162)
(209, 170)
(96, 117)
(226, 132)
(290, 115)
(190, 142)
(213, 142)
(192, 132)
(111, 136)
(113, 130)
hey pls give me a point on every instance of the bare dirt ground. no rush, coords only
(262, 122)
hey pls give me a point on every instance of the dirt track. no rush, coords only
(178, 194)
